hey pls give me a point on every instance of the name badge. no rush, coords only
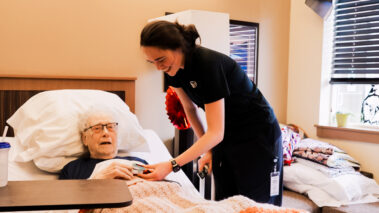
(274, 187)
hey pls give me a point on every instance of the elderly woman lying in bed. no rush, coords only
(99, 135)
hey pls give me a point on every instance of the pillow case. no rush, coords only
(318, 146)
(24, 170)
(47, 126)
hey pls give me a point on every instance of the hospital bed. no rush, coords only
(15, 90)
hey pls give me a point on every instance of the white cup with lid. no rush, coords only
(4, 149)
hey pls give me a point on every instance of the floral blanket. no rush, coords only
(162, 196)
(325, 154)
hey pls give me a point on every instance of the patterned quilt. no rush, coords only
(162, 196)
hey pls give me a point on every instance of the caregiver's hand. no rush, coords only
(206, 159)
(158, 171)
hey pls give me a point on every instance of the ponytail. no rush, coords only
(168, 35)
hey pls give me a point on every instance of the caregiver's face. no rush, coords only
(101, 137)
(168, 61)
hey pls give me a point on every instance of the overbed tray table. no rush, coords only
(64, 194)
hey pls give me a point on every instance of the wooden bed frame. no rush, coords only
(15, 90)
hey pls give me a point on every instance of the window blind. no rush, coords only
(244, 46)
(356, 42)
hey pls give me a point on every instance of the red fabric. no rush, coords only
(175, 110)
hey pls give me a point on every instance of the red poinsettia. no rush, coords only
(175, 110)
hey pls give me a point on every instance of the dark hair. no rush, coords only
(168, 35)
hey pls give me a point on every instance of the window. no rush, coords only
(244, 46)
(355, 61)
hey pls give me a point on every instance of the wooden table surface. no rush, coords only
(64, 194)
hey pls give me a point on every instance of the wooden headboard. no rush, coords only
(15, 90)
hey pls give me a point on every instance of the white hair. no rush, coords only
(93, 111)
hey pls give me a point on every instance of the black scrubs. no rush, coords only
(243, 161)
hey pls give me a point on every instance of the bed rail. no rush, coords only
(182, 141)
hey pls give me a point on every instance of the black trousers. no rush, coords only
(243, 168)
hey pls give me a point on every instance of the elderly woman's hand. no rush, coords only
(115, 170)
(157, 171)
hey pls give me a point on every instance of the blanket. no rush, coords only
(163, 196)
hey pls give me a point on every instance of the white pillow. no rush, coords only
(47, 126)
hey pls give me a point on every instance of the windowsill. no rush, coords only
(346, 133)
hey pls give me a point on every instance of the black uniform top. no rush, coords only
(82, 168)
(209, 76)
(242, 162)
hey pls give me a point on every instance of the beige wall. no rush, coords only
(273, 54)
(304, 77)
(101, 38)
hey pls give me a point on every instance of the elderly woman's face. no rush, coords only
(101, 139)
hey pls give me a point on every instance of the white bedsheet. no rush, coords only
(325, 191)
(158, 152)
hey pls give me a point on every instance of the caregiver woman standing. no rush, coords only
(242, 144)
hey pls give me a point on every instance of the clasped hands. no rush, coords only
(160, 170)
(118, 170)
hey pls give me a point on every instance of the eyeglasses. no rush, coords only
(111, 127)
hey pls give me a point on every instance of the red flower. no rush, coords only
(175, 110)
